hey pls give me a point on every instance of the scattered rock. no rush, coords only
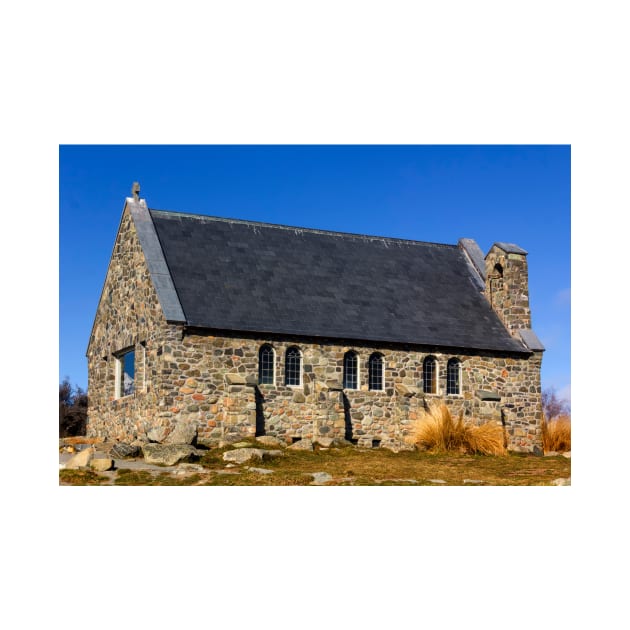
(397, 447)
(242, 455)
(302, 445)
(320, 478)
(436, 480)
(261, 471)
(567, 454)
(229, 440)
(551, 453)
(81, 459)
(168, 454)
(474, 482)
(270, 440)
(101, 464)
(183, 433)
(326, 442)
(562, 481)
(185, 466)
(121, 450)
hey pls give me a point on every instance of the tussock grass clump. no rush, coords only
(436, 431)
(556, 434)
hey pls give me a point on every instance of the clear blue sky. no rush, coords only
(518, 194)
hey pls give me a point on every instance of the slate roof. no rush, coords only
(245, 276)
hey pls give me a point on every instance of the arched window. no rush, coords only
(292, 366)
(429, 375)
(266, 362)
(453, 377)
(350, 370)
(375, 372)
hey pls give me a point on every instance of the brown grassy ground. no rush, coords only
(349, 466)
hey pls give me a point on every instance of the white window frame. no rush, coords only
(273, 364)
(382, 358)
(459, 376)
(343, 373)
(119, 363)
(301, 354)
(437, 375)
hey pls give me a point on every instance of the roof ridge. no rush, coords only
(297, 228)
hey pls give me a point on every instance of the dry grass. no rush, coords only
(436, 431)
(556, 434)
(81, 439)
(350, 466)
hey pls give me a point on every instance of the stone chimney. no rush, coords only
(507, 286)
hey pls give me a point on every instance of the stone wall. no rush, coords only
(507, 287)
(129, 316)
(211, 380)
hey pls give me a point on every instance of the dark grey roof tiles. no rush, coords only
(246, 276)
(510, 248)
(530, 339)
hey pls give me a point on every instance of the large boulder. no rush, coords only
(122, 450)
(183, 433)
(81, 459)
(320, 478)
(168, 454)
(157, 434)
(101, 463)
(242, 455)
(325, 442)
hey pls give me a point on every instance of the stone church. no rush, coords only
(245, 328)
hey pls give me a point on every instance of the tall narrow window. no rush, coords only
(350, 370)
(375, 370)
(266, 365)
(292, 367)
(429, 375)
(125, 373)
(453, 377)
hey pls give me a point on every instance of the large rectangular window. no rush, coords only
(125, 373)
